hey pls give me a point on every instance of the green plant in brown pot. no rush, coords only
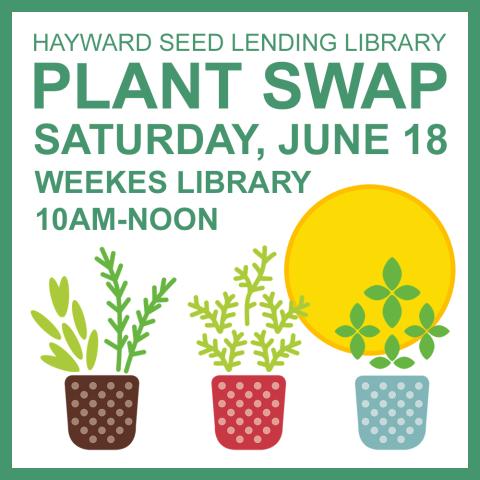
(101, 409)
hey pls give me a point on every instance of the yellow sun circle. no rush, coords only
(340, 247)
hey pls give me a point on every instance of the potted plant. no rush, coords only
(248, 409)
(392, 410)
(378, 269)
(101, 409)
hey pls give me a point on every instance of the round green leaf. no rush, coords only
(59, 293)
(407, 292)
(380, 362)
(345, 331)
(392, 347)
(79, 319)
(92, 349)
(415, 331)
(46, 325)
(439, 331)
(392, 311)
(369, 331)
(377, 292)
(427, 316)
(357, 315)
(357, 346)
(404, 362)
(392, 274)
(427, 346)
(72, 341)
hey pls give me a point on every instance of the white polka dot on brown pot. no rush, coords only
(84, 394)
(75, 386)
(110, 385)
(128, 421)
(110, 439)
(129, 385)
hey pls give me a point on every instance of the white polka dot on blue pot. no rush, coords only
(392, 411)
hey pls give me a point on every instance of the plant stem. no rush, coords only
(117, 289)
(137, 337)
(250, 292)
(128, 363)
(118, 300)
(144, 320)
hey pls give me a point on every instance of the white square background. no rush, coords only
(175, 418)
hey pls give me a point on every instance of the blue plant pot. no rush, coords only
(392, 411)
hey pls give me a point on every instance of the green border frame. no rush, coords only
(9, 6)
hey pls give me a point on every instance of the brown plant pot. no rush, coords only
(248, 410)
(102, 410)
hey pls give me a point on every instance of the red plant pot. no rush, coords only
(248, 410)
(102, 410)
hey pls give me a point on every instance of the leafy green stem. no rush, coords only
(226, 356)
(144, 319)
(254, 284)
(216, 318)
(280, 318)
(271, 356)
(117, 287)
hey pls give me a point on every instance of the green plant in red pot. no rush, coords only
(101, 409)
(248, 409)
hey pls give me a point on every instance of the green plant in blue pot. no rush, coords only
(392, 409)
(378, 269)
